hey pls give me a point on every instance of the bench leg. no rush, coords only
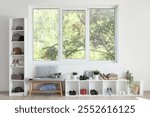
(31, 86)
(61, 93)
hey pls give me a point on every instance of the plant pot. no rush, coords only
(74, 77)
(96, 77)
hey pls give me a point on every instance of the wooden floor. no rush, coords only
(5, 96)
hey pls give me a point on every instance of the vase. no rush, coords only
(74, 77)
(96, 77)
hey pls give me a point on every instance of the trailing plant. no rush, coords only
(130, 79)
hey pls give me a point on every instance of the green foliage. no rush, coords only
(96, 72)
(102, 46)
(74, 73)
(102, 23)
(74, 34)
(45, 34)
(130, 79)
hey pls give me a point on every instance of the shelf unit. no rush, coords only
(118, 87)
(34, 86)
(17, 37)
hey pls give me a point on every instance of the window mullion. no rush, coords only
(87, 38)
(60, 36)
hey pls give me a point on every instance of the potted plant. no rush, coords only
(130, 79)
(96, 74)
(74, 75)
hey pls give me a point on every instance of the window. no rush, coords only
(73, 28)
(73, 34)
(102, 34)
(45, 25)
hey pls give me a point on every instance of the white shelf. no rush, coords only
(18, 30)
(13, 24)
(17, 66)
(19, 55)
(18, 42)
(119, 87)
(17, 94)
(17, 80)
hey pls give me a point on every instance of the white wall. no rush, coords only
(133, 36)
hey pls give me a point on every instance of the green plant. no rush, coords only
(96, 72)
(74, 73)
(130, 79)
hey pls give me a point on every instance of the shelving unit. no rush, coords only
(35, 83)
(118, 87)
(17, 37)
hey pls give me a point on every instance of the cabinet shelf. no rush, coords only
(17, 80)
(19, 55)
(17, 66)
(18, 42)
(36, 90)
(14, 60)
(17, 94)
(17, 30)
(118, 87)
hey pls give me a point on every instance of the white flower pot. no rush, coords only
(96, 77)
(74, 77)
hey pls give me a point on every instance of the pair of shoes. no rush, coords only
(15, 63)
(17, 89)
(72, 92)
(109, 90)
(84, 77)
(93, 92)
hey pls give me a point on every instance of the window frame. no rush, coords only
(60, 59)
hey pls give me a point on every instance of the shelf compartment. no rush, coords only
(13, 85)
(107, 84)
(71, 85)
(17, 22)
(84, 85)
(122, 87)
(96, 85)
(136, 89)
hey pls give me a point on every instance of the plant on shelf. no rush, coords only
(130, 79)
(74, 75)
(96, 74)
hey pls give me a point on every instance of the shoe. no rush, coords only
(96, 92)
(73, 92)
(91, 92)
(84, 77)
(70, 92)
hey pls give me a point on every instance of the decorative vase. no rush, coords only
(74, 77)
(96, 77)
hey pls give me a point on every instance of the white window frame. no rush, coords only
(60, 59)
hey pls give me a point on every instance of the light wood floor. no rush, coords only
(5, 96)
